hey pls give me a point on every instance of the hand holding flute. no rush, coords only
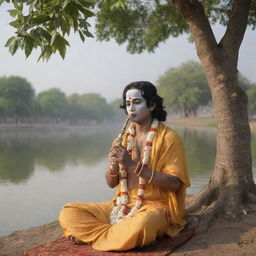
(117, 155)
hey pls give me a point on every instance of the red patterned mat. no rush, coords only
(64, 247)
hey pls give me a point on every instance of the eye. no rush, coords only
(137, 101)
(127, 103)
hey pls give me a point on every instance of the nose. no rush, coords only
(132, 107)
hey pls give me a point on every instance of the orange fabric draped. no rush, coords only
(162, 211)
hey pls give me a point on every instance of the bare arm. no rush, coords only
(111, 179)
(111, 176)
(162, 180)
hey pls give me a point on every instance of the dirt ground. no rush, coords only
(223, 238)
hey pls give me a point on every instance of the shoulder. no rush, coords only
(167, 133)
(168, 138)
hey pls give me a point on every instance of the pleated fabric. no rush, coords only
(162, 211)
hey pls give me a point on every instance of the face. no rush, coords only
(136, 106)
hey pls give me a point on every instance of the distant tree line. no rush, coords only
(19, 103)
(185, 89)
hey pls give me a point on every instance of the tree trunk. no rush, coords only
(231, 183)
(233, 167)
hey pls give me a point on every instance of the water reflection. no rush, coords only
(200, 149)
(20, 153)
(16, 160)
(253, 145)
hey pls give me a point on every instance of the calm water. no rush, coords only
(41, 171)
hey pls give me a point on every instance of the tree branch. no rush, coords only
(234, 34)
(193, 13)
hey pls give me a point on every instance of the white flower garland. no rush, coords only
(119, 212)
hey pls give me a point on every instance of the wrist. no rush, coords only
(112, 173)
(131, 165)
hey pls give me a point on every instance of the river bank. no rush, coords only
(224, 237)
(199, 123)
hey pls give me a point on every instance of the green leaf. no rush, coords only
(83, 23)
(53, 36)
(65, 41)
(13, 47)
(66, 2)
(32, 5)
(13, 12)
(122, 3)
(81, 35)
(60, 44)
(45, 53)
(44, 33)
(17, 6)
(88, 13)
(16, 24)
(85, 11)
(87, 33)
(65, 28)
(39, 19)
(22, 42)
(70, 21)
(10, 41)
(29, 45)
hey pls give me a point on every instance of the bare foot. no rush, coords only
(75, 240)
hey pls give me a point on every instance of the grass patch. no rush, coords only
(212, 124)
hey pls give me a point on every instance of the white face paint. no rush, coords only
(136, 106)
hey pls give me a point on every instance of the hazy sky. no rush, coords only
(106, 67)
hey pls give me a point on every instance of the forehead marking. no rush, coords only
(133, 93)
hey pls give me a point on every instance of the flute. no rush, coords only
(114, 164)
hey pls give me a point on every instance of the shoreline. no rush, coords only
(224, 237)
(199, 122)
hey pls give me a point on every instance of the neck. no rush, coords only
(143, 128)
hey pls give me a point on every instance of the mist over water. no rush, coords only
(41, 170)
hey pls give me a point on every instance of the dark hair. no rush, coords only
(149, 93)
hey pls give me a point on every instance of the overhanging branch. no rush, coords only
(237, 24)
(193, 13)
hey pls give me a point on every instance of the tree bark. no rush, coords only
(231, 182)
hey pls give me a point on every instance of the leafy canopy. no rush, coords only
(184, 88)
(52, 103)
(16, 96)
(45, 24)
(252, 102)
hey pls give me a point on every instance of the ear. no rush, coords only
(152, 107)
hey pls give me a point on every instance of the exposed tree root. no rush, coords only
(251, 197)
(200, 199)
(213, 201)
(254, 190)
(208, 216)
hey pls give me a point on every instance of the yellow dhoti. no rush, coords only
(161, 213)
(89, 222)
